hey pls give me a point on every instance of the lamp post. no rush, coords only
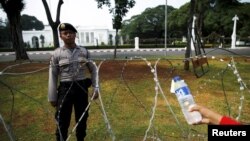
(166, 16)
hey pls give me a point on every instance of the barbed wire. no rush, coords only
(158, 90)
(231, 65)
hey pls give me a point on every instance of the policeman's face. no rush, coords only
(68, 36)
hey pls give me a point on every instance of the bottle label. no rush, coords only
(182, 91)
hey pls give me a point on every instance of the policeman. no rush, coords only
(69, 64)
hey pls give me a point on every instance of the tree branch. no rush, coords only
(58, 11)
(47, 10)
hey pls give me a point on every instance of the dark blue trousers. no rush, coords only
(71, 95)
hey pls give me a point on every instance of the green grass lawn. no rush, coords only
(128, 95)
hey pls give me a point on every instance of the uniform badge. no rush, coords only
(62, 26)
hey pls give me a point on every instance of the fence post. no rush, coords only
(136, 43)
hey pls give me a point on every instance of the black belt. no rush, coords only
(85, 82)
(70, 82)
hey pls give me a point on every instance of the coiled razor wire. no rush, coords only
(86, 109)
(157, 88)
(231, 65)
(7, 129)
(242, 85)
(100, 99)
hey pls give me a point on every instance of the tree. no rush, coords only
(13, 10)
(197, 9)
(116, 25)
(153, 22)
(189, 28)
(5, 33)
(149, 24)
(212, 17)
(54, 25)
(245, 22)
(177, 19)
(132, 28)
(31, 22)
(4, 37)
(119, 11)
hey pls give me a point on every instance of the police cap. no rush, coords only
(66, 26)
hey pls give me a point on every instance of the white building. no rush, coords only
(86, 36)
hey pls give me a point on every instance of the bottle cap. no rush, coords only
(176, 78)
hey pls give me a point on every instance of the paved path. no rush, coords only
(100, 51)
(126, 53)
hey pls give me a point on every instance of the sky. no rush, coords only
(85, 12)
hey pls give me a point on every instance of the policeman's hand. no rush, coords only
(95, 94)
(53, 103)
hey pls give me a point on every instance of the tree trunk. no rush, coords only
(116, 42)
(55, 35)
(188, 50)
(17, 37)
(53, 25)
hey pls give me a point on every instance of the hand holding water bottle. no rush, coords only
(185, 100)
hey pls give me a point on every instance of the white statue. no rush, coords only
(193, 34)
(235, 18)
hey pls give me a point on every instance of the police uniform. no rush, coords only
(70, 66)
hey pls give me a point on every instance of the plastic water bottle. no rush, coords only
(186, 100)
